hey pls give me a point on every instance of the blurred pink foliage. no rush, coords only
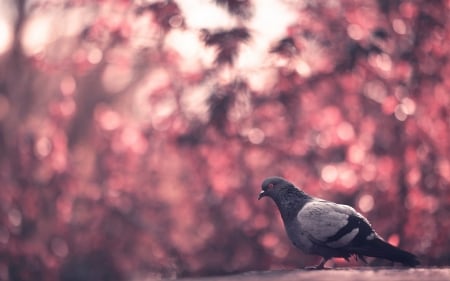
(134, 136)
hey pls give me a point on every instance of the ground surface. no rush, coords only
(341, 274)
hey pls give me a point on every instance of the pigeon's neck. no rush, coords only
(290, 201)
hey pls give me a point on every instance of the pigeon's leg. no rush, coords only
(321, 265)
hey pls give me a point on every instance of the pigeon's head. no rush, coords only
(273, 185)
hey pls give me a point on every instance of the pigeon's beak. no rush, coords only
(261, 194)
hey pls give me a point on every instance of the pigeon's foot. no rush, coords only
(321, 265)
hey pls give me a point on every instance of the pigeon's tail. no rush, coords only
(380, 249)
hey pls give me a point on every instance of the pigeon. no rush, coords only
(323, 228)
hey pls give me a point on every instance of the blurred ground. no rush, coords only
(363, 273)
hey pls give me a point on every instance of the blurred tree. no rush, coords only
(134, 134)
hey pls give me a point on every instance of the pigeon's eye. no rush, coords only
(270, 186)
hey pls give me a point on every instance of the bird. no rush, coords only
(327, 229)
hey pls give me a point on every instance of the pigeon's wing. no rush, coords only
(334, 225)
(338, 230)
